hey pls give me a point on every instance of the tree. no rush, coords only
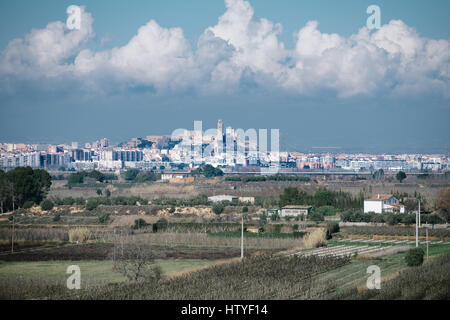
(146, 176)
(139, 223)
(443, 204)
(23, 184)
(136, 262)
(107, 193)
(103, 218)
(244, 209)
(378, 175)
(414, 257)
(315, 216)
(99, 192)
(131, 174)
(218, 208)
(332, 227)
(28, 204)
(410, 205)
(75, 178)
(97, 175)
(289, 196)
(47, 205)
(91, 204)
(209, 171)
(5, 191)
(400, 176)
(160, 225)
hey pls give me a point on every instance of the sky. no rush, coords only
(309, 68)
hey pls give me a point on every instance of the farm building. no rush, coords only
(222, 197)
(383, 203)
(295, 210)
(247, 199)
(170, 176)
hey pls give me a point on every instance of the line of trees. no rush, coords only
(268, 178)
(389, 218)
(78, 177)
(322, 197)
(22, 185)
(208, 171)
(136, 175)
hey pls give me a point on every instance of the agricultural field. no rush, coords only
(153, 240)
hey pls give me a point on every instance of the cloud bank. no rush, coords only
(241, 50)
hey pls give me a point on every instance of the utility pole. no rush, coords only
(419, 215)
(417, 226)
(12, 235)
(242, 236)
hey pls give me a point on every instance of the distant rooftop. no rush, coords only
(380, 197)
(294, 206)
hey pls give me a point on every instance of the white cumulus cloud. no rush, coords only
(241, 48)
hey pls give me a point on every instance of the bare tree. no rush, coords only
(136, 261)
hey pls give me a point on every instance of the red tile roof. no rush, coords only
(381, 197)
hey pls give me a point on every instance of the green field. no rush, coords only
(91, 271)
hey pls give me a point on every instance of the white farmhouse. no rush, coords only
(383, 203)
(295, 210)
(222, 197)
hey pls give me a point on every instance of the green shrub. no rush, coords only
(69, 201)
(47, 205)
(332, 227)
(274, 217)
(160, 225)
(57, 217)
(104, 217)
(245, 209)
(316, 216)
(91, 204)
(28, 204)
(80, 201)
(172, 210)
(414, 257)
(327, 210)
(218, 208)
(139, 223)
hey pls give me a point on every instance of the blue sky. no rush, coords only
(321, 86)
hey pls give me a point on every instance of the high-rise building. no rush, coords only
(219, 128)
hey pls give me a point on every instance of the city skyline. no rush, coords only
(321, 77)
(233, 149)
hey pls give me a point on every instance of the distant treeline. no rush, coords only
(446, 175)
(322, 197)
(92, 203)
(78, 177)
(389, 218)
(267, 178)
(199, 200)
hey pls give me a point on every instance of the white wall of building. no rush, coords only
(373, 206)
